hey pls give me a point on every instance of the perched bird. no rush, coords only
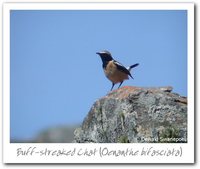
(114, 70)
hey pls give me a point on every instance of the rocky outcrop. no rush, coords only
(59, 134)
(136, 115)
(55, 134)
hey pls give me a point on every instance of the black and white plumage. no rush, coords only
(114, 70)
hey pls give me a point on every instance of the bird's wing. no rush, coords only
(122, 68)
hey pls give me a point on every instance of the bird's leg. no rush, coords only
(112, 86)
(120, 84)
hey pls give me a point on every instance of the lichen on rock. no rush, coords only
(136, 115)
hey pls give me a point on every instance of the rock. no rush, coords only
(136, 115)
(54, 134)
(57, 134)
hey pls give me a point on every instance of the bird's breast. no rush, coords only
(113, 74)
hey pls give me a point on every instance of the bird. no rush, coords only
(114, 70)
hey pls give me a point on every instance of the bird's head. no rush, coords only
(105, 56)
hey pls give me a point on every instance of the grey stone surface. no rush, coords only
(136, 115)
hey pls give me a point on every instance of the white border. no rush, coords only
(9, 151)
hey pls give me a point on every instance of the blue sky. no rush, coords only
(56, 75)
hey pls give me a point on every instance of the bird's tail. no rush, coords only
(132, 66)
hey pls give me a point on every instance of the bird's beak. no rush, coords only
(98, 53)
